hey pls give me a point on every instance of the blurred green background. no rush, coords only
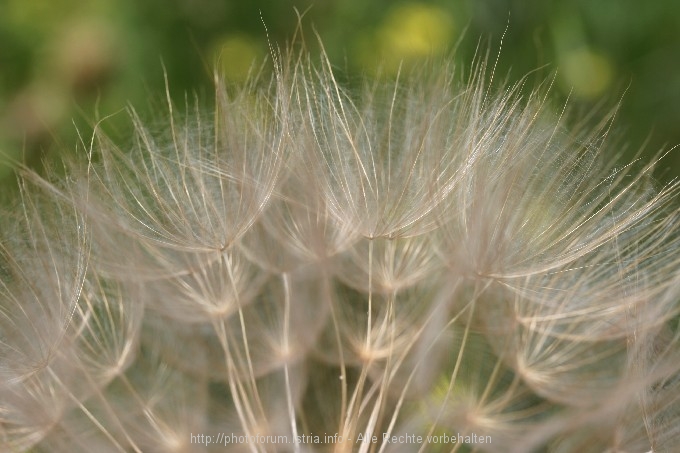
(64, 63)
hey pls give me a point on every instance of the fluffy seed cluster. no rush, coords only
(420, 265)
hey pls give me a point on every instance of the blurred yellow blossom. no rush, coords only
(408, 33)
(586, 72)
(235, 55)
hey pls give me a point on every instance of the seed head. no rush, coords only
(310, 266)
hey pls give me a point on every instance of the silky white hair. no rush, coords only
(310, 266)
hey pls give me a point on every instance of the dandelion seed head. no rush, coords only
(424, 255)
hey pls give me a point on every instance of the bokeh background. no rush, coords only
(66, 63)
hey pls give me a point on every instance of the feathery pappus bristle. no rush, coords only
(422, 264)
